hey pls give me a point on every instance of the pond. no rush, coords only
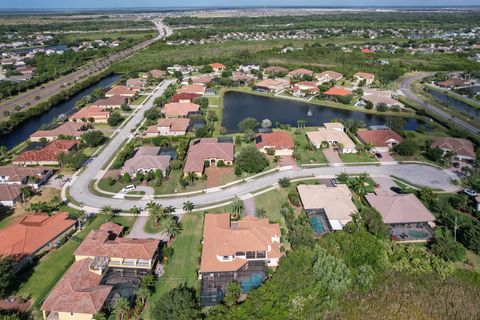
(238, 106)
(457, 104)
(25, 129)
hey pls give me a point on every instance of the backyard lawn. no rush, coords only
(358, 157)
(183, 266)
(301, 143)
(138, 101)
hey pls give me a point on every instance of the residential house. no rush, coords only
(200, 79)
(86, 288)
(146, 159)
(10, 194)
(381, 140)
(333, 134)
(139, 83)
(208, 150)
(156, 73)
(33, 177)
(185, 97)
(304, 88)
(280, 142)
(180, 109)
(275, 70)
(169, 127)
(113, 102)
(192, 88)
(272, 85)
(67, 129)
(328, 76)
(364, 76)
(377, 97)
(48, 156)
(34, 234)
(409, 219)
(218, 67)
(299, 73)
(462, 148)
(329, 208)
(92, 114)
(238, 251)
(124, 91)
(242, 78)
(334, 92)
(452, 83)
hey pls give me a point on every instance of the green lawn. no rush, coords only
(183, 266)
(358, 157)
(138, 101)
(301, 143)
(150, 228)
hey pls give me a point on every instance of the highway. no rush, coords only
(405, 87)
(51, 88)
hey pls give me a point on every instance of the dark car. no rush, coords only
(456, 165)
(397, 190)
(378, 155)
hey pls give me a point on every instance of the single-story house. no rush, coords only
(361, 76)
(48, 156)
(146, 159)
(337, 92)
(328, 75)
(185, 97)
(304, 88)
(156, 73)
(113, 102)
(462, 148)
(136, 82)
(67, 129)
(218, 67)
(300, 73)
(179, 110)
(207, 150)
(452, 83)
(200, 79)
(334, 135)
(275, 70)
(381, 140)
(380, 96)
(192, 88)
(10, 194)
(169, 127)
(331, 207)
(272, 85)
(242, 78)
(280, 141)
(89, 113)
(124, 91)
(33, 177)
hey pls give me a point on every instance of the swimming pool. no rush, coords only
(252, 282)
(418, 234)
(317, 225)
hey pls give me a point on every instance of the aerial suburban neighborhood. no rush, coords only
(239, 163)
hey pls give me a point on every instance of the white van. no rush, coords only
(128, 188)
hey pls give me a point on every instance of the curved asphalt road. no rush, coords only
(405, 87)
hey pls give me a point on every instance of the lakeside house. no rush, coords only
(332, 134)
(119, 90)
(192, 88)
(275, 70)
(452, 83)
(238, 251)
(10, 194)
(138, 83)
(185, 97)
(409, 219)
(34, 234)
(92, 114)
(329, 208)
(113, 102)
(107, 266)
(272, 85)
(334, 92)
(382, 140)
(67, 129)
(328, 76)
(207, 150)
(280, 142)
(146, 159)
(364, 76)
(169, 127)
(47, 156)
(180, 109)
(299, 73)
(462, 149)
(377, 97)
(305, 88)
(32, 177)
(218, 67)
(156, 73)
(241, 78)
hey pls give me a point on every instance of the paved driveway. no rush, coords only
(385, 183)
(332, 156)
(386, 157)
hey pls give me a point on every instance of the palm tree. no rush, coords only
(155, 211)
(142, 294)
(188, 206)
(358, 186)
(25, 192)
(191, 177)
(3, 151)
(134, 210)
(122, 308)
(107, 211)
(260, 212)
(171, 226)
(169, 209)
(237, 206)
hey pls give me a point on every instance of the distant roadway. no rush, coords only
(49, 89)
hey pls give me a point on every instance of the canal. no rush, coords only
(238, 106)
(25, 129)
(461, 106)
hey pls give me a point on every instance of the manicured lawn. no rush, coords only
(151, 228)
(183, 266)
(272, 202)
(138, 101)
(358, 157)
(213, 101)
(301, 143)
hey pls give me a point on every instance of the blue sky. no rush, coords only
(66, 4)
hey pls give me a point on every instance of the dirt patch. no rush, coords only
(112, 173)
(217, 175)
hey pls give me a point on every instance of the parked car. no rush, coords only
(334, 182)
(470, 192)
(128, 188)
(456, 165)
(378, 155)
(397, 190)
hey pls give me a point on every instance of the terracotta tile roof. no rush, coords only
(300, 72)
(364, 75)
(17, 174)
(174, 124)
(379, 138)
(185, 96)
(136, 82)
(217, 65)
(401, 208)
(9, 192)
(275, 69)
(32, 233)
(110, 102)
(336, 201)
(335, 91)
(333, 75)
(146, 158)
(222, 238)
(379, 96)
(192, 88)
(121, 90)
(310, 84)
(201, 79)
(156, 73)
(206, 148)
(79, 291)
(272, 83)
(452, 83)
(459, 146)
(179, 109)
(330, 134)
(49, 153)
(366, 50)
(90, 111)
(240, 76)
(278, 140)
(66, 129)
(106, 242)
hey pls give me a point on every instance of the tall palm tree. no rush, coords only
(122, 308)
(191, 177)
(107, 211)
(155, 211)
(171, 226)
(169, 209)
(260, 212)
(237, 206)
(142, 294)
(188, 206)
(358, 186)
(134, 210)
(3, 151)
